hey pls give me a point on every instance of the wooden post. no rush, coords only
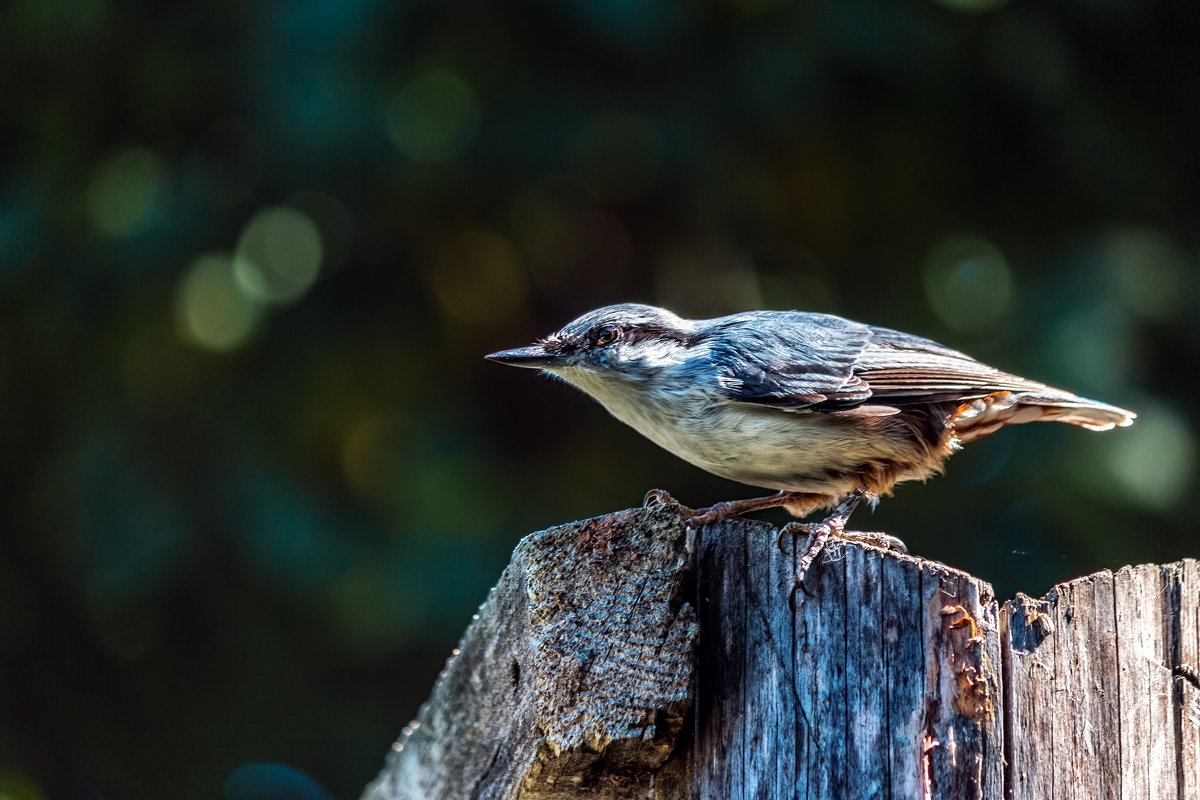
(629, 657)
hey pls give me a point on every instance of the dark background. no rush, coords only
(256, 475)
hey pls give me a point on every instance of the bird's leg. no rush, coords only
(735, 508)
(819, 533)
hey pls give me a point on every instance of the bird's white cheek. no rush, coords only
(658, 356)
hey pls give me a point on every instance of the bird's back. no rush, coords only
(823, 363)
(816, 402)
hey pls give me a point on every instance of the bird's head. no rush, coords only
(628, 342)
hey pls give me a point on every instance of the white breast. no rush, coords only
(755, 445)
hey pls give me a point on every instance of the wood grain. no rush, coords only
(573, 680)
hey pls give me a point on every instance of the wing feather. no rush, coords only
(900, 366)
(817, 362)
(790, 359)
(799, 362)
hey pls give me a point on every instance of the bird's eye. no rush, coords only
(606, 335)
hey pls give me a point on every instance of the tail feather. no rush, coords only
(976, 418)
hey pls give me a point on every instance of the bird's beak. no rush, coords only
(534, 357)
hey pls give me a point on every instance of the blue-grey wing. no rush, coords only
(790, 359)
(818, 362)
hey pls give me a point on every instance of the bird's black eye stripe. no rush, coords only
(605, 335)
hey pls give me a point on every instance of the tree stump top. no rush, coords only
(629, 657)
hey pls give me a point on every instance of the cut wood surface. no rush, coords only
(574, 677)
(630, 657)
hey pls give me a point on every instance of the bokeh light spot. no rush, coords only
(278, 255)
(211, 310)
(968, 283)
(1093, 346)
(125, 192)
(1155, 459)
(1149, 272)
(617, 156)
(433, 117)
(479, 278)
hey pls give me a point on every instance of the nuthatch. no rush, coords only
(825, 410)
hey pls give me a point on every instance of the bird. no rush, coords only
(824, 410)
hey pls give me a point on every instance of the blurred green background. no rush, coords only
(257, 476)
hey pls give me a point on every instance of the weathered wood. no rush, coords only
(574, 678)
(843, 697)
(1182, 583)
(898, 678)
(1097, 697)
(1061, 692)
(1147, 725)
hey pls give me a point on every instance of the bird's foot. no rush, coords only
(661, 497)
(884, 541)
(820, 533)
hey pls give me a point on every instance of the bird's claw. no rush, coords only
(661, 497)
(883, 541)
(658, 497)
(819, 533)
(797, 587)
(792, 529)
